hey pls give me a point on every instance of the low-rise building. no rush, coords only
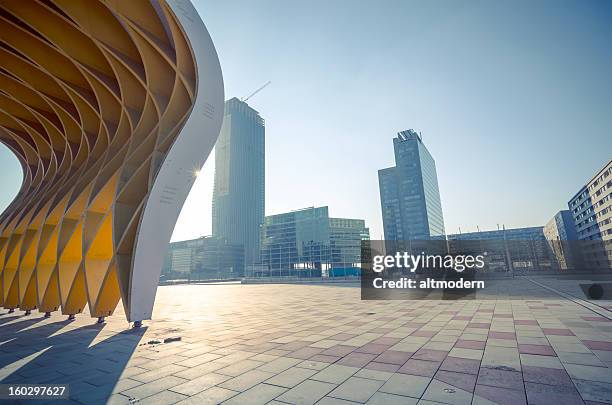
(204, 258)
(308, 243)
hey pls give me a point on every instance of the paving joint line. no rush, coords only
(599, 310)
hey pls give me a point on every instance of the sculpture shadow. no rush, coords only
(43, 354)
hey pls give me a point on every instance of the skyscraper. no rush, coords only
(409, 194)
(239, 190)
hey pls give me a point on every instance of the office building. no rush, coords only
(204, 258)
(560, 233)
(530, 233)
(591, 210)
(591, 207)
(515, 249)
(309, 243)
(561, 227)
(239, 189)
(409, 194)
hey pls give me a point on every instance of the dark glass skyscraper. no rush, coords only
(239, 190)
(409, 194)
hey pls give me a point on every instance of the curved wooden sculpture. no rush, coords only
(111, 106)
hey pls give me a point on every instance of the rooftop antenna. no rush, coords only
(255, 92)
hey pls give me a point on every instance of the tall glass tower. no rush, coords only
(239, 190)
(409, 194)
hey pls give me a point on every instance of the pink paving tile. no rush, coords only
(595, 318)
(470, 344)
(598, 345)
(480, 325)
(383, 330)
(501, 396)
(372, 348)
(338, 350)
(460, 365)
(462, 381)
(542, 350)
(552, 394)
(430, 355)
(525, 322)
(419, 367)
(543, 375)
(389, 368)
(500, 378)
(356, 359)
(393, 357)
(424, 333)
(462, 318)
(557, 332)
(502, 335)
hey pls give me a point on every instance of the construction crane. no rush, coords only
(255, 92)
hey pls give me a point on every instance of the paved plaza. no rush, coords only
(307, 344)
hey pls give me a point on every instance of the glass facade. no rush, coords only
(204, 258)
(409, 193)
(309, 243)
(530, 233)
(239, 189)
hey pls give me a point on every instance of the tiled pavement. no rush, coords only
(306, 344)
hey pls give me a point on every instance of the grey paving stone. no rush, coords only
(280, 364)
(246, 380)
(407, 385)
(306, 393)
(291, 377)
(589, 373)
(382, 398)
(163, 398)
(335, 374)
(152, 388)
(334, 401)
(356, 389)
(439, 391)
(259, 394)
(199, 384)
(211, 396)
(594, 391)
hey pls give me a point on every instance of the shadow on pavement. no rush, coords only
(44, 354)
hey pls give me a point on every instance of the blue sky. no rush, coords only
(514, 100)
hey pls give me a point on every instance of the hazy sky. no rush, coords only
(514, 100)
